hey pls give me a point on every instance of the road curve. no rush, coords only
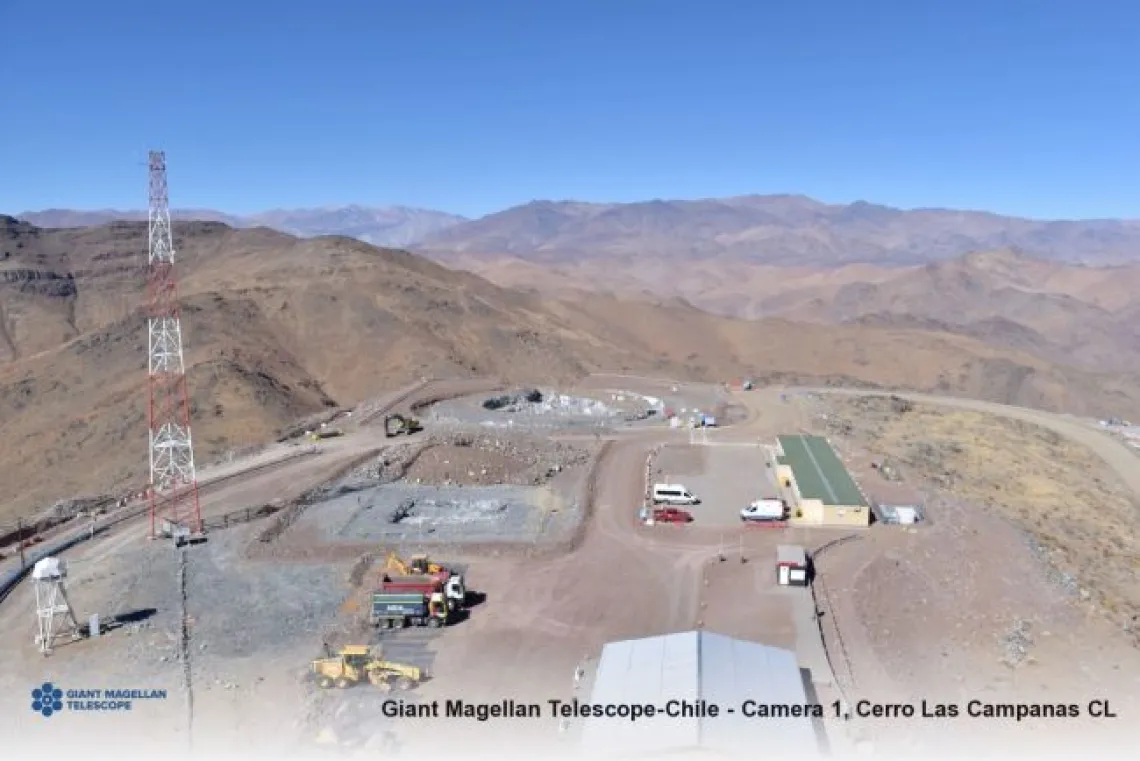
(1118, 456)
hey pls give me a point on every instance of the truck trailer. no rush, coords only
(396, 610)
(450, 585)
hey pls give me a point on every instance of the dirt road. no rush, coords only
(1117, 455)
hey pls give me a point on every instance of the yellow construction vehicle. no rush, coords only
(417, 565)
(357, 663)
(394, 425)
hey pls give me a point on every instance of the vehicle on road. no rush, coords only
(764, 510)
(672, 515)
(673, 494)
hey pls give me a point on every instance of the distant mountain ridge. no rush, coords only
(380, 226)
(785, 230)
(782, 230)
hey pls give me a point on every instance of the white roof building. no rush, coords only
(694, 666)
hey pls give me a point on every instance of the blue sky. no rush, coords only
(1015, 106)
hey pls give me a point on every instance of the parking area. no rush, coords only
(725, 478)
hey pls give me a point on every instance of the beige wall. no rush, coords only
(812, 512)
(815, 513)
(846, 515)
(808, 512)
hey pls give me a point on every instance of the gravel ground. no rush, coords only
(476, 459)
(400, 513)
(553, 411)
(352, 718)
(270, 605)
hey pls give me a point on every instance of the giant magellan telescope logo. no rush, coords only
(47, 699)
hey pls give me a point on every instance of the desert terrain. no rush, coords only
(543, 406)
(1007, 590)
(280, 328)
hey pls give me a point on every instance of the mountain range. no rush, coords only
(778, 230)
(381, 226)
(784, 230)
(279, 327)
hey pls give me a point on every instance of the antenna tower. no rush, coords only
(173, 488)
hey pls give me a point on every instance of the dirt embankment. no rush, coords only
(1079, 516)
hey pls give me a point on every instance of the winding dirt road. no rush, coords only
(1118, 456)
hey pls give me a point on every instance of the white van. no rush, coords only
(673, 494)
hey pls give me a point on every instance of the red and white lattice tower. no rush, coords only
(173, 489)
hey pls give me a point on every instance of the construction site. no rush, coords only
(473, 540)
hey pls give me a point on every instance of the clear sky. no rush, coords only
(1018, 106)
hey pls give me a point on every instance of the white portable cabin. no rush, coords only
(791, 566)
(906, 515)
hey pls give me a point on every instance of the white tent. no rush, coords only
(696, 666)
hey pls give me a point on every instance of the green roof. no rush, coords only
(818, 471)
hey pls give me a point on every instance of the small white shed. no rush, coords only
(791, 566)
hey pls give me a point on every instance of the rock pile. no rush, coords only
(476, 460)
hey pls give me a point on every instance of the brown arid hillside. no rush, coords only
(1071, 314)
(278, 328)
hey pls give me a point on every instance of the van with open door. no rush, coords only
(673, 494)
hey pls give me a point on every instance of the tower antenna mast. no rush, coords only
(173, 488)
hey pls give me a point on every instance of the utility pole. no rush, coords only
(173, 488)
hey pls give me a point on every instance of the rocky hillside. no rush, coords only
(279, 327)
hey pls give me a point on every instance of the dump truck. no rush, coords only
(396, 610)
(357, 663)
(419, 568)
(451, 585)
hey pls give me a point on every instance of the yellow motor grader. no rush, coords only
(357, 663)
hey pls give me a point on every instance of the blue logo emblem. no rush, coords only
(47, 699)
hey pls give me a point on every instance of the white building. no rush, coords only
(695, 666)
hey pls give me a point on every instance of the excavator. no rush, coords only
(357, 663)
(416, 565)
(397, 572)
(394, 425)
